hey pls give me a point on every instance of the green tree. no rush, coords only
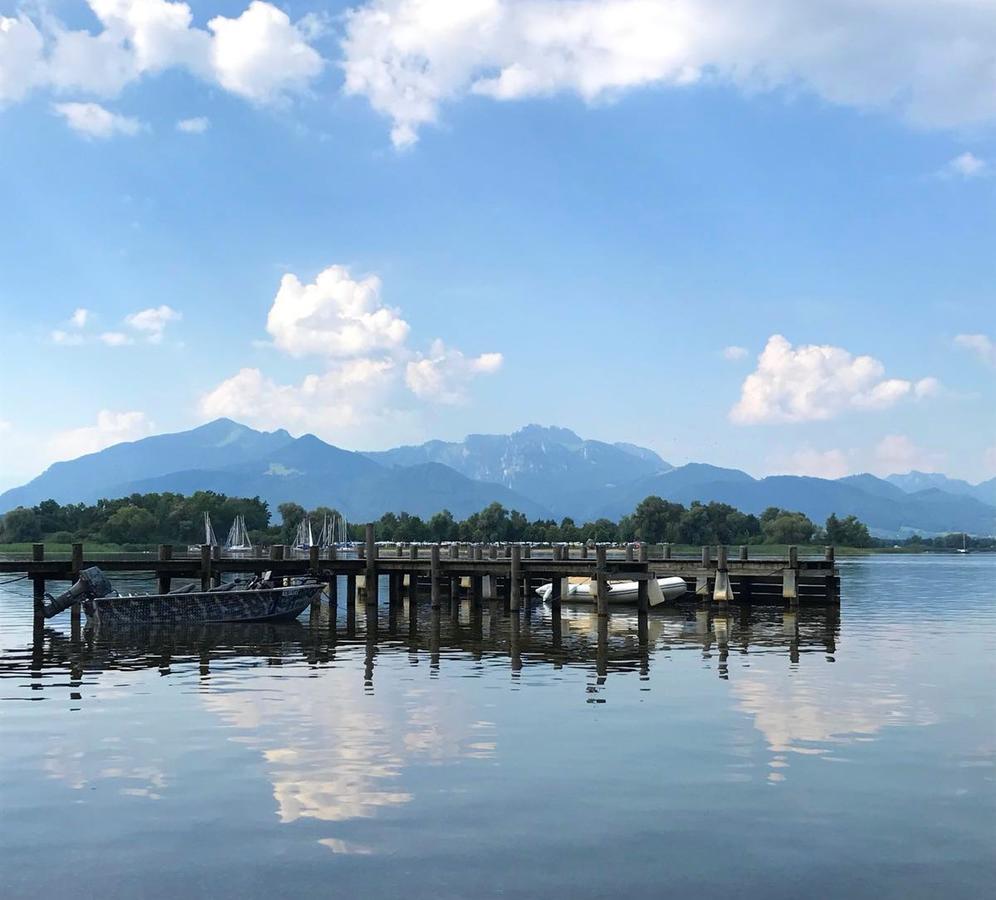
(130, 524)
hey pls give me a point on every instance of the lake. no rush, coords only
(764, 755)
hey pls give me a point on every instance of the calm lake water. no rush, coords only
(763, 756)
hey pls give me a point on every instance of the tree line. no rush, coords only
(143, 519)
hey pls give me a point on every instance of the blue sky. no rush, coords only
(597, 215)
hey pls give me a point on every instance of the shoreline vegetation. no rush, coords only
(140, 522)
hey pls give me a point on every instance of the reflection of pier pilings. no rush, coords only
(625, 642)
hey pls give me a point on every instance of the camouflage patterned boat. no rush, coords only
(256, 601)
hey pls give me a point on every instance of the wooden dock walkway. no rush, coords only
(509, 572)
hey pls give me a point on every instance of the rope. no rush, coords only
(12, 580)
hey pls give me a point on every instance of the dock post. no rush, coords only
(76, 611)
(644, 552)
(38, 587)
(584, 551)
(165, 554)
(702, 581)
(666, 550)
(205, 566)
(313, 554)
(601, 581)
(743, 553)
(790, 578)
(830, 581)
(215, 571)
(371, 573)
(476, 581)
(556, 586)
(351, 603)
(642, 609)
(629, 552)
(515, 578)
(722, 591)
(434, 576)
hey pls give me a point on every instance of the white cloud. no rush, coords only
(966, 165)
(196, 125)
(94, 121)
(260, 55)
(981, 345)
(21, 62)
(898, 453)
(152, 322)
(79, 317)
(335, 316)
(110, 428)
(734, 353)
(817, 382)
(115, 338)
(930, 62)
(370, 374)
(442, 375)
(346, 396)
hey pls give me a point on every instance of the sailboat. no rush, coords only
(238, 537)
(305, 538)
(209, 536)
(333, 531)
(964, 544)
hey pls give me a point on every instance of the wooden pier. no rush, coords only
(507, 572)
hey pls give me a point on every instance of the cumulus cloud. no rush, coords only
(21, 58)
(335, 316)
(981, 345)
(260, 54)
(346, 396)
(94, 121)
(817, 382)
(898, 453)
(79, 317)
(442, 375)
(370, 373)
(196, 125)
(965, 165)
(110, 428)
(152, 322)
(734, 353)
(930, 62)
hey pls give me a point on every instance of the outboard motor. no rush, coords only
(92, 584)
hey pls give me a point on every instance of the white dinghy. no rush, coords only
(659, 590)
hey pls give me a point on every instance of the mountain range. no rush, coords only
(540, 471)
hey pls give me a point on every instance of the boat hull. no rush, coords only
(621, 592)
(204, 607)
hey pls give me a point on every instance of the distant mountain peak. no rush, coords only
(551, 433)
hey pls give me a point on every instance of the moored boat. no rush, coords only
(255, 601)
(660, 590)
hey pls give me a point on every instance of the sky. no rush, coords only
(754, 233)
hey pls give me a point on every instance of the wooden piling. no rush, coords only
(434, 576)
(75, 567)
(629, 552)
(205, 566)
(644, 552)
(371, 572)
(313, 560)
(38, 587)
(515, 578)
(743, 553)
(215, 571)
(164, 581)
(666, 550)
(601, 582)
(722, 590)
